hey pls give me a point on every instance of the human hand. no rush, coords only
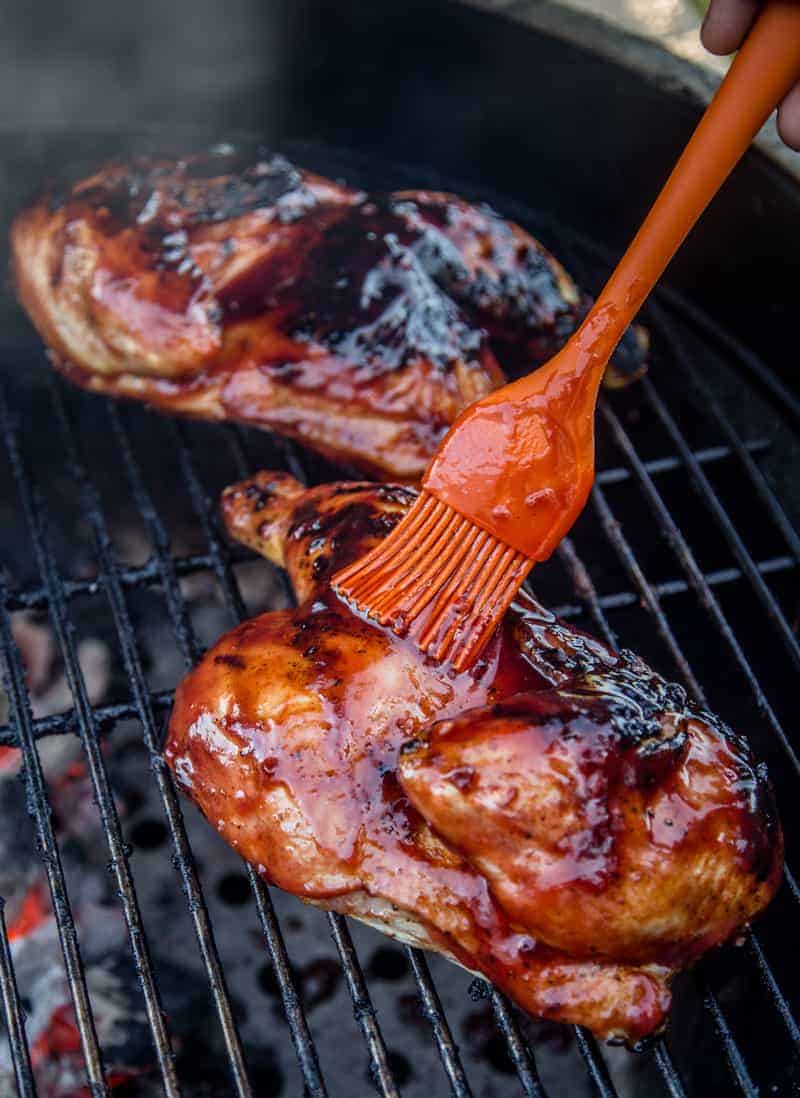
(725, 27)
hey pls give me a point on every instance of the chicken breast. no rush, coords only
(241, 288)
(558, 819)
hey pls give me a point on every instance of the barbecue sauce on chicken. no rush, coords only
(558, 818)
(233, 286)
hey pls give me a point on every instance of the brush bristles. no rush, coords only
(437, 578)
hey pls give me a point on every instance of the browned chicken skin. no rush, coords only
(228, 287)
(558, 819)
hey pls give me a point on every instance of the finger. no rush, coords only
(727, 23)
(789, 118)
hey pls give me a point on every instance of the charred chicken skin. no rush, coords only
(558, 819)
(228, 287)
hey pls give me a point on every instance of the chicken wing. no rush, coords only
(228, 287)
(558, 819)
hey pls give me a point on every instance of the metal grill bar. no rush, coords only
(190, 649)
(585, 589)
(519, 1051)
(135, 674)
(598, 1072)
(695, 576)
(669, 1073)
(703, 485)
(614, 534)
(718, 578)
(709, 455)
(362, 1003)
(292, 1003)
(625, 553)
(744, 451)
(87, 731)
(756, 950)
(13, 1016)
(730, 1048)
(363, 1010)
(151, 572)
(428, 995)
(432, 1008)
(132, 577)
(768, 978)
(780, 396)
(62, 724)
(794, 887)
(702, 588)
(106, 716)
(165, 566)
(19, 707)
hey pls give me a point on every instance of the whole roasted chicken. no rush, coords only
(559, 819)
(232, 287)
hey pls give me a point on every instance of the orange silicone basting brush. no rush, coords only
(514, 472)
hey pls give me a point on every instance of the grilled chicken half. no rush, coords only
(232, 287)
(558, 819)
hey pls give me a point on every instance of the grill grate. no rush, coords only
(694, 592)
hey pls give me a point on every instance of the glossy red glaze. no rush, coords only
(231, 286)
(289, 732)
(520, 462)
(645, 845)
(301, 780)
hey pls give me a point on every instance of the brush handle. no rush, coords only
(764, 70)
(520, 462)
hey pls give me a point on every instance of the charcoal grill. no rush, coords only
(688, 553)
